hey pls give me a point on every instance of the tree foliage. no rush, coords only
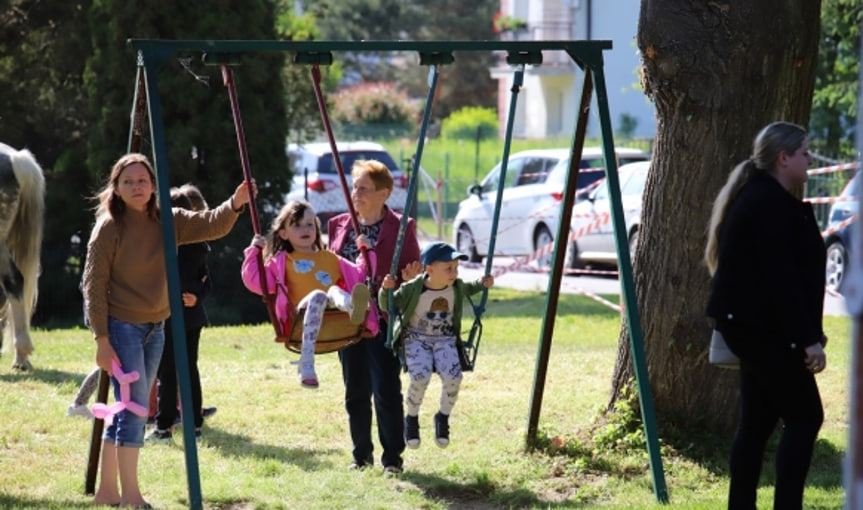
(67, 95)
(466, 82)
(43, 107)
(834, 105)
(301, 109)
(471, 122)
(196, 112)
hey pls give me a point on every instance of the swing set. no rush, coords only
(152, 55)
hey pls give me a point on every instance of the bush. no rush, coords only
(374, 103)
(471, 122)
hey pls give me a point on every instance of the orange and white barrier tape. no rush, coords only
(839, 226)
(834, 168)
(596, 297)
(601, 220)
(829, 200)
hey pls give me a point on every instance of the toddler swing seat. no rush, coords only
(337, 332)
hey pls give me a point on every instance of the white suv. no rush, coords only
(317, 180)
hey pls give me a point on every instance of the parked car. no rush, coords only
(598, 247)
(838, 239)
(316, 178)
(530, 206)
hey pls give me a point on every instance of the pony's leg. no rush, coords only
(21, 330)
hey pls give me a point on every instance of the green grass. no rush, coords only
(273, 445)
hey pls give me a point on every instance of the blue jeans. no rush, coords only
(370, 369)
(138, 348)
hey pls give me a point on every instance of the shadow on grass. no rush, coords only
(712, 453)
(478, 495)
(16, 502)
(41, 375)
(236, 445)
(533, 304)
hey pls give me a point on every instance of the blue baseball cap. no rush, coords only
(440, 252)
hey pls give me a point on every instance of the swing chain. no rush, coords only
(186, 62)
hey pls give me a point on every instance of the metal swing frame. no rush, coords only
(152, 54)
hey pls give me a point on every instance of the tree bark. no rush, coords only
(717, 72)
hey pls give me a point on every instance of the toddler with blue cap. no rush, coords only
(427, 332)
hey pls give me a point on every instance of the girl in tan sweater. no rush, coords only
(126, 301)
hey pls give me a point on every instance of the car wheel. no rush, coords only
(837, 262)
(466, 244)
(571, 260)
(542, 238)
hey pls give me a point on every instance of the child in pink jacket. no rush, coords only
(303, 275)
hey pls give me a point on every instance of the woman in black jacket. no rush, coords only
(767, 259)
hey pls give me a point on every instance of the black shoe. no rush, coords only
(393, 470)
(161, 436)
(206, 412)
(358, 466)
(441, 429)
(412, 431)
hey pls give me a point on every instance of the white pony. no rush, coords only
(22, 209)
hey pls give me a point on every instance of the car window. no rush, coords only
(532, 172)
(597, 162)
(635, 184)
(631, 183)
(513, 169)
(624, 160)
(326, 164)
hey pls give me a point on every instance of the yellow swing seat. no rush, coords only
(337, 332)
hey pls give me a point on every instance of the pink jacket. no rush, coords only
(275, 271)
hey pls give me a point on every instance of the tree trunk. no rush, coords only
(718, 72)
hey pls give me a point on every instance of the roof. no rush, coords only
(321, 148)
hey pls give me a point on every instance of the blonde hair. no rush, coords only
(291, 214)
(377, 172)
(110, 203)
(771, 141)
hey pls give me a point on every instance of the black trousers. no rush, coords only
(371, 371)
(167, 404)
(785, 390)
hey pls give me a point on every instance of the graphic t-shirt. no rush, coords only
(433, 314)
(306, 272)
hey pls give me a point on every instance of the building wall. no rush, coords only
(617, 20)
(551, 92)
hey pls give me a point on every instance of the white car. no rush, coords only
(591, 219)
(316, 178)
(530, 208)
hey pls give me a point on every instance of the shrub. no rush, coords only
(373, 103)
(470, 122)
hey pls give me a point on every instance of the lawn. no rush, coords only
(274, 445)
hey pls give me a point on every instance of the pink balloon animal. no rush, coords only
(105, 412)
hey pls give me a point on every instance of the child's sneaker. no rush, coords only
(197, 435)
(79, 410)
(412, 431)
(161, 436)
(208, 411)
(359, 303)
(441, 429)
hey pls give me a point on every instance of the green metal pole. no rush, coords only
(633, 319)
(160, 162)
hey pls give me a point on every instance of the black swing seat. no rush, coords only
(337, 332)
